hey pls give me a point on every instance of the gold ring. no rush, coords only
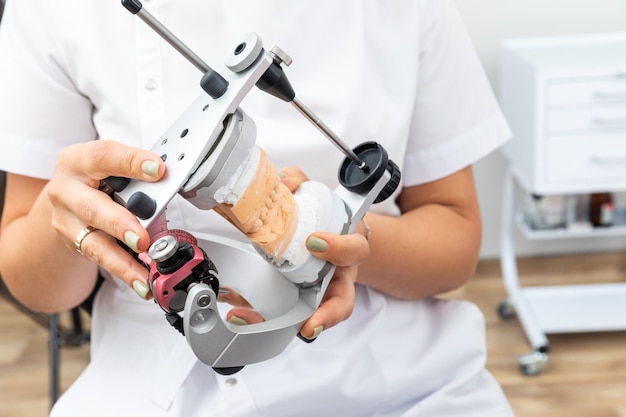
(81, 236)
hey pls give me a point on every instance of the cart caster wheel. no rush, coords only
(533, 363)
(506, 309)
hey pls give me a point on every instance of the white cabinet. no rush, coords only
(565, 99)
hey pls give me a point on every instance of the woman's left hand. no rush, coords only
(346, 252)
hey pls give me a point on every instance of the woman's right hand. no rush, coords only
(77, 203)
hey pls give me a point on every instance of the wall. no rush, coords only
(490, 21)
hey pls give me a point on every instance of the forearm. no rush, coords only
(37, 266)
(41, 219)
(427, 251)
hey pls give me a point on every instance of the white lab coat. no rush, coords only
(402, 73)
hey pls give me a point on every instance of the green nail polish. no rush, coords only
(150, 168)
(316, 332)
(141, 288)
(316, 244)
(131, 239)
(237, 321)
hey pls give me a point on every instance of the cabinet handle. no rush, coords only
(602, 121)
(608, 160)
(609, 95)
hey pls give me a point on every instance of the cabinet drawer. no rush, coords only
(589, 91)
(586, 159)
(586, 119)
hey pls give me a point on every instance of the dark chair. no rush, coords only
(75, 335)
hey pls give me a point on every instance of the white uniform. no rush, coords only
(400, 72)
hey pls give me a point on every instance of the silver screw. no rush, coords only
(160, 245)
(204, 300)
(281, 55)
(163, 249)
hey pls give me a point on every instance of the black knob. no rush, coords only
(141, 205)
(392, 184)
(362, 180)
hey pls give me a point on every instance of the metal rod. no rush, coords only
(170, 38)
(319, 124)
(54, 341)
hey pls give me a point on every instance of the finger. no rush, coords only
(87, 206)
(242, 316)
(292, 177)
(100, 159)
(100, 248)
(232, 297)
(337, 305)
(340, 250)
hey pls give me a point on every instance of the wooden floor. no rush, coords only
(585, 376)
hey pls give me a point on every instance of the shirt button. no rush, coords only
(230, 382)
(151, 84)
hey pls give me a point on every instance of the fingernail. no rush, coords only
(316, 244)
(282, 175)
(150, 168)
(141, 288)
(131, 239)
(237, 321)
(223, 295)
(318, 330)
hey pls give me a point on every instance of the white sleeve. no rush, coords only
(40, 109)
(457, 119)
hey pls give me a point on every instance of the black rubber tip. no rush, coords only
(116, 184)
(141, 205)
(228, 371)
(214, 84)
(133, 6)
